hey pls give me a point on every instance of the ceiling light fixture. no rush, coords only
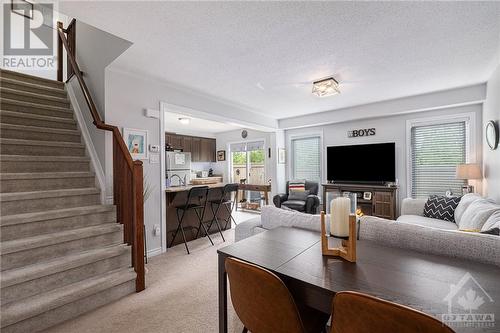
(326, 87)
(184, 121)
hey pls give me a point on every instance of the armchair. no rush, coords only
(309, 205)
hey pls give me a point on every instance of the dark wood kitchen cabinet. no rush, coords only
(201, 149)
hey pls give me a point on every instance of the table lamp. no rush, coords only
(468, 171)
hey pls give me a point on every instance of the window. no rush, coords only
(306, 158)
(436, 150)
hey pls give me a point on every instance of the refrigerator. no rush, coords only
(178, 168)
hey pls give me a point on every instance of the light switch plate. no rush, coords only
(154, 158)
(154, 148)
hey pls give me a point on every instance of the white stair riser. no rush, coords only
(35, 99)
(36, 255)
(72, 310)
(43, 204)
(30, 229)
(31, 79)
(41, 110)
(60, 279)
(48, 123)
(36, 150)
(43, 166)
(33, 89)
(42, 136)
(43, 184)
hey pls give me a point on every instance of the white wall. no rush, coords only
(88, 40)
(492, 157)
(226, 138)
(127, 96)
(389, 129)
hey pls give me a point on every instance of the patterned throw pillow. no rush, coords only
(298, 195)
(297, 185)
(440, 207)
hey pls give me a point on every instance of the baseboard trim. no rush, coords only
(96, 164)
(154, 252)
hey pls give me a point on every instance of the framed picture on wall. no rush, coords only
(281, 156)
(136, 141)
(221, 155)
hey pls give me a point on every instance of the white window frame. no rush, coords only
(321, 153)
(230, 159)
(470, 144)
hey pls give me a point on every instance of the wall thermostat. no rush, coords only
(154, 148)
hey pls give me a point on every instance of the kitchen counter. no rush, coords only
(173, 189)
(176, 196)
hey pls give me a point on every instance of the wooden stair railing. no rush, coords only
(127, 173)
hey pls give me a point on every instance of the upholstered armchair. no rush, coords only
(307, 204)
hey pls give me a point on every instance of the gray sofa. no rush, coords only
(411, 230)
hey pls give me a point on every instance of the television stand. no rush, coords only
(381, 204)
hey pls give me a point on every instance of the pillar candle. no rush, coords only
(340, 209)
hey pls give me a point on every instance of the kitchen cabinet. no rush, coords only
(201, 149)
(196, 150)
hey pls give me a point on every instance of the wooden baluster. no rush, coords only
(59, 55)
(138, 248)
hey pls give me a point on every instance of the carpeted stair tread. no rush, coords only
(58, 237)
(35, 158)
(26, 77)
(4, 197)
(54, 214)
(46, 175)
(31, 272)
(4, 81)
(25, 115)
(40, 98)
(39, 129)
(32, 306)
(41, 143)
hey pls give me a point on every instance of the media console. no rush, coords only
(381, 204)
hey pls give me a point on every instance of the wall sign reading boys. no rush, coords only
(361, 132)
(137, 142)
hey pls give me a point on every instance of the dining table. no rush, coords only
(462, 293)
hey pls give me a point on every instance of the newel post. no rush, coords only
(140, 283)
(59, 53)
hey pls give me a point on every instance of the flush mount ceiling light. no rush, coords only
(326, 87)
(184, 121)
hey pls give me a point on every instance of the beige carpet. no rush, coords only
(181, 296)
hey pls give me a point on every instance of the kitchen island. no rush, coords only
(177, 196)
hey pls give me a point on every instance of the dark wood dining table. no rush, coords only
(436, 285)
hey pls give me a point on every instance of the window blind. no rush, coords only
(436, 150)
(306, 158)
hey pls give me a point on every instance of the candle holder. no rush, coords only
(347, 250)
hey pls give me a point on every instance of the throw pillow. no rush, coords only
(492, 222)
(466, 200)
(298, 195)
(296, 185)
(476, 215)
(440, 207)
(494, 231)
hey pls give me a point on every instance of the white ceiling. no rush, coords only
(196, 126)
(263, 55)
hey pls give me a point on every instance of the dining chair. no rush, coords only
(355, 312)
(264, 304)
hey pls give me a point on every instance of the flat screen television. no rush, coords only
(372, 163)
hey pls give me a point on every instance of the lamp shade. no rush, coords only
(469, 171)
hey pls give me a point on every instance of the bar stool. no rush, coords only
(197, 201)
(226, 200)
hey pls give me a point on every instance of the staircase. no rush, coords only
(62, 252)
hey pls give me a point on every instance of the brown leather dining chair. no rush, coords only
(359, 313)
(264, 304)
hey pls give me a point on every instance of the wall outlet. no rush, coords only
(156, 230)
